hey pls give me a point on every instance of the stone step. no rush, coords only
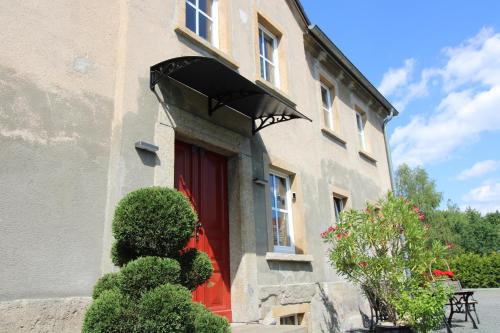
(259, 328)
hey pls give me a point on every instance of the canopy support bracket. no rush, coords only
(224, 99)
(264, 122)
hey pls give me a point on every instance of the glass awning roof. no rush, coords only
(225, 87)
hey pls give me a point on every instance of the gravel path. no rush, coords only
(488, 310)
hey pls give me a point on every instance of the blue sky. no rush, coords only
(438, 62)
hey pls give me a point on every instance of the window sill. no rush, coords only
(194, 38)
(276, 91)
(289, 257)
(368, 156)
(334, 135)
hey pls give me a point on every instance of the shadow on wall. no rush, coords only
(330, 318)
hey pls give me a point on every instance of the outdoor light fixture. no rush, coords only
(146, 146)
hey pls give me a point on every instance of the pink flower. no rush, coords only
(449, 245)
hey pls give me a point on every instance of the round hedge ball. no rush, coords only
(146, 273)
(196, 268)
(154, 221)
(165, 309)
(111, 312)
(108, 281)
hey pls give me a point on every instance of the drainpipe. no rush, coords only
(387, 149)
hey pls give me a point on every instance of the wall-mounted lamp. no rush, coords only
(260, 181)
(146, 146)
(294, 196)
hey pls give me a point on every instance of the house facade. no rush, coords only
(243, 105)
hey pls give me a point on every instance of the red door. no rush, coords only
(202, 176)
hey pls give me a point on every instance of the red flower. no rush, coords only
(450, 274)
(416, 209)
(421, 216)
(449, 245)
(328, 231)
(340, 235)
(437, 272)
(362, 264)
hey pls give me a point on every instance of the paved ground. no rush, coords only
(257, 328)
(488, 310)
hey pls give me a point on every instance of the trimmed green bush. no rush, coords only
(165, 309)
(477, 271)
(111, 312)
(206, 322)
(196, 268)
(152, 221)
(146, 273)
(106, 282)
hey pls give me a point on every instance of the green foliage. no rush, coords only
(375, 247)
(111, 312)
(481, 234)
(422, 307)
(106, 282)
(153, 221)
(196, 268)
(151, 227)
(477, 271)
(146, 273)
(206, 322)
(415, 185)
(165, 309)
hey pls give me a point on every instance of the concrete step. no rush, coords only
(259, 328)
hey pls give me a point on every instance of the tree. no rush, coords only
(415, 185)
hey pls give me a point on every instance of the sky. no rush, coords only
(438, 63)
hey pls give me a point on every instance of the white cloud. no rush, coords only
(470, 106)
(479, 169)
(485, 198)
(396, 78)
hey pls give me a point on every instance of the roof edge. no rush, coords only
(334, 51)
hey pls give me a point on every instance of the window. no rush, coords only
(268, 52)
(281, 210)
(326, 99)
(338, 206)
(201, 18)
(295, 319)
(360, 122)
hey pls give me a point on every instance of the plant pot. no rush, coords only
(391, 328)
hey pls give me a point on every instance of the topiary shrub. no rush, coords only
(151, 292)
(146, 273)
(108, 281)
(206, 322)
(152, 221)
(111, 312)
(164, 309)
(196, 268)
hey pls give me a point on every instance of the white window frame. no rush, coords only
(214, 19)
(329, 110)
(279, 248)
(361, 129)
(274, 62)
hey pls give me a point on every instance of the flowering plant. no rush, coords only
(384, 250)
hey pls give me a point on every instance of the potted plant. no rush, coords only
(384, 250)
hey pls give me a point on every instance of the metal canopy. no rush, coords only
(225, 87)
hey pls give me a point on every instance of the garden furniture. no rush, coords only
(462, 301)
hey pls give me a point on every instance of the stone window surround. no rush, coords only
(261, 20)
(223, 51)
(273, 163)
(340, 193)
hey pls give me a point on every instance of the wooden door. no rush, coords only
(202, 176)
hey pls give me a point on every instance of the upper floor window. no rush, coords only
(360, 122)
(281, 210)
(201, 18)
(327, 106)
(338, 206)
(268, 51)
